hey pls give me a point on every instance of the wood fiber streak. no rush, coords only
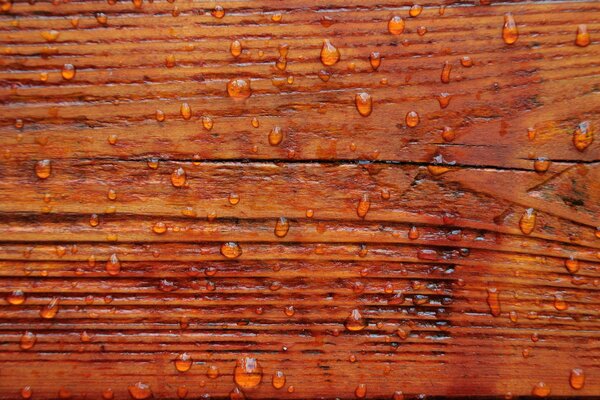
(465, 245)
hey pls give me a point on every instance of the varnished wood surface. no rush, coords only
(474, 260)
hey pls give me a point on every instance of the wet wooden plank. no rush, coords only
(358, 256)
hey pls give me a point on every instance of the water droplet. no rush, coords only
(445, 76)
(159, 228)
(310, 213)
(207, 123)
(239, 88)
(231, 250)
(510, 33)
(218, 12)
(43, 169)
(50, 310)
(422, 30)
(361, 391)
(85, 337)
(527, 221)
(111, 194)
(364, 103)
(583, 37)
(160, 116)
(559, 302)
(247, 373)
(572, 265)
(212, 372)
(255, 123)
(396, 25)
(541, 164)
(324, 75)
(182, 392)
(466, 62)
(178, 177)
(329, 53)
(275, 136)
(52, 35)
(152, 163)
(235, 48)
(540, 390)
(236, 394)
(289, 311)
(28, 340)
(278, 379)
(186, 111)
(183, 362)
(282, 226)
(398, 395)
(493, 301)
(170, 61)
(101, 18)
(281, 63)
(448, 134)
(355, 321)
(363, 206)
(140, 391)
(16, 297)
(26, 392)
(113, 265)
(444, 99)
(276, 17)
(583, 136)
(375, 60)
(68, 71)
(412, 119)
(577, 378)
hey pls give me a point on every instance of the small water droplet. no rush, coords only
(540, 390)
(510, 33)
(577, 378)
(493, 301)
(446, 69)
(361, 391)
(583, 37)
(527, 221)
(255, 122)
(375, 60)
(159, 228)
(160, 116)
(235, 48)
(276, 17)
(231, 250)
(364, 103)
(275, 136)
(207, 123)
(247, 373)
(218, 12)
(412, 119)
(278, 379)
(239, 88)
(583, 136)
(572, 265)
(178, 177)
(183, 362)
(559, 302)
(466, 62)
(355, 321)
(101, 18)
(140, 391)
(398, 395)
(236, 394)
(68, 72)
(43, 169)
(28, 340)
(282, 226)
(50, 310)
(185, 111)
(330, 55)
(444, 99)
(324, 75)
(212, 372)
(16, 297)
(289, 311)
(396, 25)
(50, 36)
(26, 392)
(170, 61)
(541, 164)
(113, 265)
(363, 206)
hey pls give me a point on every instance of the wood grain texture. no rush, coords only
(469, 244)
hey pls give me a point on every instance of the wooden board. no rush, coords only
(161, 237)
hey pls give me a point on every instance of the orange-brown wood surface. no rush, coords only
(299, 199)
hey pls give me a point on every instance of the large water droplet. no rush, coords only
(239, 88)
(231, 250)
(43, 169)
(329, 53)
(183, 362)
(583, 136)
(364, 103)
(577, 378)
(50, 310)
(363, 206)
(247, 373)
(28, 340)
(527, 221)
(493, 301)
(113, 265)
(282, 226)
(140, 391)
(178, 177)
(510, 33)
(278, 379)
(355, 321)
(583, 37)
(396, 25)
